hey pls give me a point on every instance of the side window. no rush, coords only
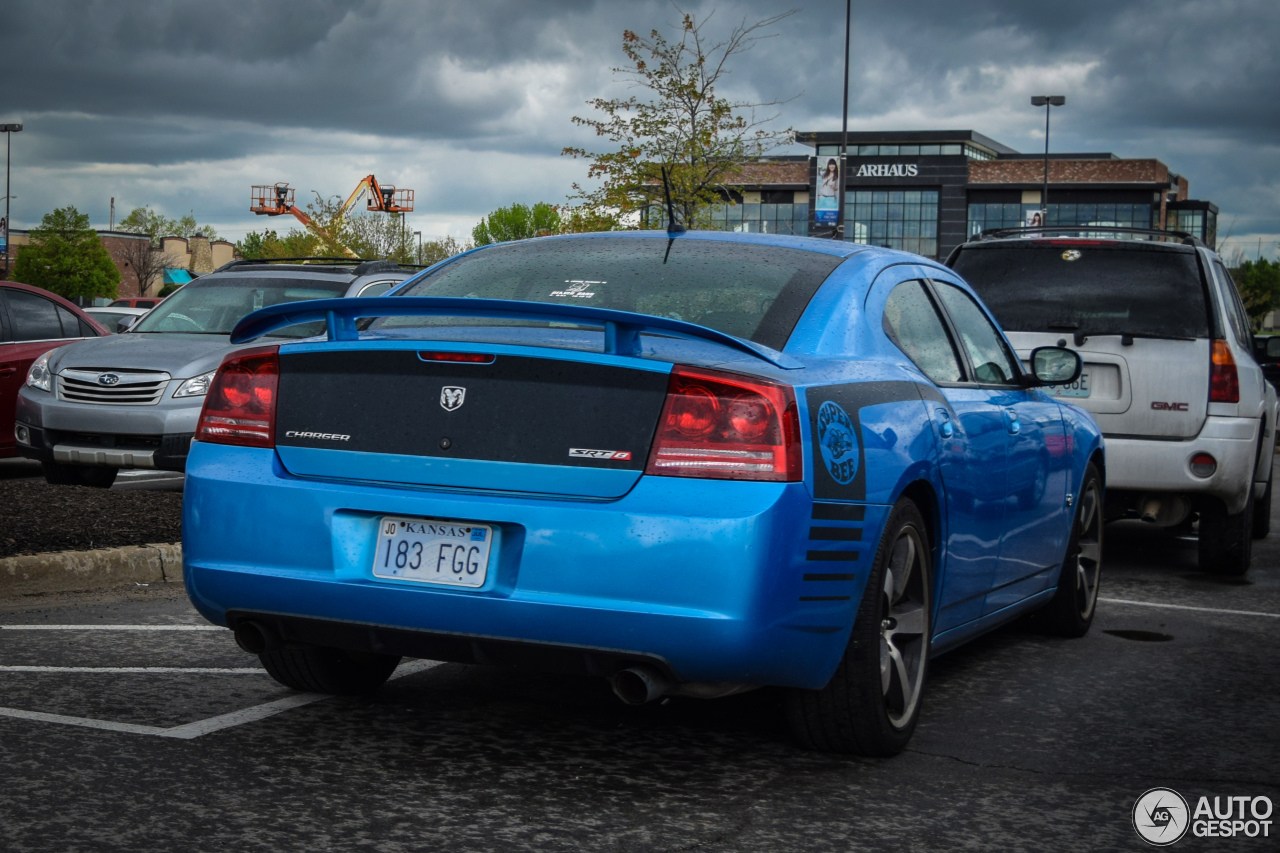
(1236, 313)
(70, 323)
(376, 288)
(34, 317)
(911, 321)
(993, 364)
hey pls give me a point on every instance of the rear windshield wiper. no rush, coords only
(1126, 338)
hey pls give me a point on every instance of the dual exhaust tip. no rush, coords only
(639, 684)
(254, 637)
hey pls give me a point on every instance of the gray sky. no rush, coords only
(183, 105)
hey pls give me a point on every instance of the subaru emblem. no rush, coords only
(109, 379)
(451, 397)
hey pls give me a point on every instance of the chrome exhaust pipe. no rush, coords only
(639, 684)
(253, 637)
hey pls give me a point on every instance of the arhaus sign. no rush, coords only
(887, 170)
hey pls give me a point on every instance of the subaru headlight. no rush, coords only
(38, 375)
(196, 386)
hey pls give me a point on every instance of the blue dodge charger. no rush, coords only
(693, 464)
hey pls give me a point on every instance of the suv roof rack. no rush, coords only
(1054, 230)
(362, 266)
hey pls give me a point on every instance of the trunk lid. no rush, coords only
(562, 424)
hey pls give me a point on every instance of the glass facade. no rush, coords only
(752, 218)
(896, 219)
(986, 216)
(1200, 223)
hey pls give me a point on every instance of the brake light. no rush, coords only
(1224, 381)
(240, 407)
(1074, 242)
(726, 427)
(463, 357)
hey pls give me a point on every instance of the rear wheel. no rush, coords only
(316, 669)
(59, 474)
(1226, 541)
(872, 703)
(1070, 612)
(1262, 513)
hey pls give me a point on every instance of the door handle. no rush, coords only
(1015, 426)
(944, 424)
(7, 371)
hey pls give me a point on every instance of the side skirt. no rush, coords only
(961, 634)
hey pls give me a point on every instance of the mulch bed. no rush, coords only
(36, 517)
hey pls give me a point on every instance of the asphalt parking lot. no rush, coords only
(126, 723)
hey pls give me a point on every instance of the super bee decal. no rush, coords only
(837, 442)
(840, 442)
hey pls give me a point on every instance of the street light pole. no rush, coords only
(9, 130)
(418, 234)
(844, 126)
(1048, 102)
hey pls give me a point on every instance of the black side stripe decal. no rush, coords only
(829, 577)
(832, 556)
(838, 512)
(836, 534)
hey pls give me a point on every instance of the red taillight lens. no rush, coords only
(461, 357)
(1224, 382)
(1203, 465)
(240, 407)
(726, 427)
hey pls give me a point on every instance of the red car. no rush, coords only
(32, 322)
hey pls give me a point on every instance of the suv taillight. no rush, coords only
(726, 427)
(1224, 382)
(240, 407)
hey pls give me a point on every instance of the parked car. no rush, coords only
(132, 400)
(137, 302)
(1169, 370)
(117, 319)
(694, 464)
(1266, 351)
(33, 321)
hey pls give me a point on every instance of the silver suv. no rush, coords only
(1169, 372)
(132, 400)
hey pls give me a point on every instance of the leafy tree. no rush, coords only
(517, 222)
(1259, 285)
(144, 220)
(435, 251)
(66, 257)
(685, 125)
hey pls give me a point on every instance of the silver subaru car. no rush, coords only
(132, 400)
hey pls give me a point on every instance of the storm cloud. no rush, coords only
(182, 105)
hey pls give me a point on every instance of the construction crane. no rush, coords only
(278, 199)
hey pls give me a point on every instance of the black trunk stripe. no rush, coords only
(836, 534)
(838, 512)
(833, 556)
(830, 577)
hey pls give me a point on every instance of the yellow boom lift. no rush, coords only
(274, 200)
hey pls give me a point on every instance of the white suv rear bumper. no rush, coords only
(1145, 465)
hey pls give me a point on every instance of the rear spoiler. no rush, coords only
(622, 329)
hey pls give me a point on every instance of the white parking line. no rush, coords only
(111, 628)
(145, 670)
(1189, 607)
(199, 728)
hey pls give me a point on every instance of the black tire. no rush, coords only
(1262, 513)
(316, 669)
(1070, 612)
(1226, 541)
(857, 712)
(58, 474)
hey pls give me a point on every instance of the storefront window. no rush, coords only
(983, 217)
(894, 219)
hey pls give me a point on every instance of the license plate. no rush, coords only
(432, 550)
(1079, 388)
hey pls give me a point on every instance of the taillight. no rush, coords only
(1224, 382)
(460, 357)
(726, 427)
(240, 407)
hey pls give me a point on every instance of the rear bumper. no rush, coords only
(711, 580)
(1144, 465)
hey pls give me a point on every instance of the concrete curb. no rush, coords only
(77, 571)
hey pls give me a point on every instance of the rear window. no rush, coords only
(1090, 289)
(213, 305)
(750, 291)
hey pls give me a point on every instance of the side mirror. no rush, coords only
(1055, 365)
(125, 324)
(1273, 348)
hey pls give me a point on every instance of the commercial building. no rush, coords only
(928, 191)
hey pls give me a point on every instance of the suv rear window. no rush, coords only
(1089, 288)
(751, 291)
